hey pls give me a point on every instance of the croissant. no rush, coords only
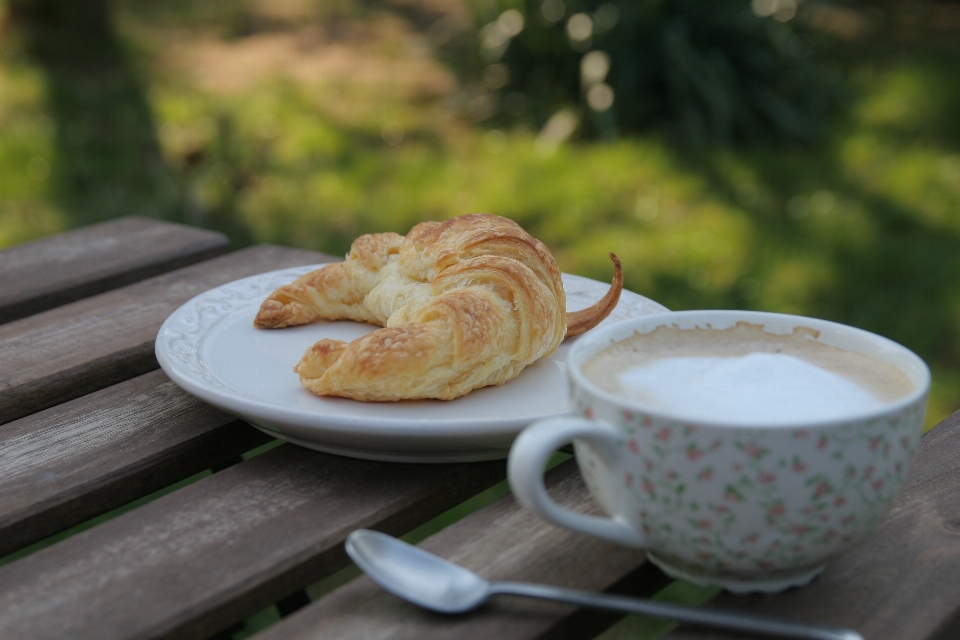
(464, 304)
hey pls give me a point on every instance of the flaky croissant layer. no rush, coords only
(464, 304)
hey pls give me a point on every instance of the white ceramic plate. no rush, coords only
(210, 348)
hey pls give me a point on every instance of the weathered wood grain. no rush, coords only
(901, 583)
(196, 560)
(501, 542)
(54, 271)
(64, 353)
(85, 457)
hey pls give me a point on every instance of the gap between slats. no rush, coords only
(79, 348)
(194, 560)
(130, 506)
(60, 269)
(88, 456)
(501, 541)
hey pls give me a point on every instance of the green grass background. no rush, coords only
(863, 228)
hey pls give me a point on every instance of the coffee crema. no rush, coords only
(745, 375)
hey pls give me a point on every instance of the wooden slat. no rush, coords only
(901, 583)
(90, 455)
(54, 271)
(90, 344)
(501, 542)
(190, 563)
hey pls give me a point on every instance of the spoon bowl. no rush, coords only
(415, 575)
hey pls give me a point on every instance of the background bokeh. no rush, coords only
(783, 155)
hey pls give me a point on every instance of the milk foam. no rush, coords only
(754, 388)
(745, 375)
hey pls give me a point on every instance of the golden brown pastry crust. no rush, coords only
(464, 304)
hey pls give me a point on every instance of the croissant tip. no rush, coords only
(586, 319)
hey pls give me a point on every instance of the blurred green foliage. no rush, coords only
(106, 158)
(862, 227)
(699, 71)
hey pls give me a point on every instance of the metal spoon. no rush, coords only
(433, 583)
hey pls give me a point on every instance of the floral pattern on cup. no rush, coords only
(719, 501)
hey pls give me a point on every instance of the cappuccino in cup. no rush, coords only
(738, 448)
(745, 375)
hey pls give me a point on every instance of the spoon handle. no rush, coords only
(679, 612)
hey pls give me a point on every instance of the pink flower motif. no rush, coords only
(828, 536)
(704, 555)
(800, 529)
(839, 501)
(868, 472)
(847, 520)
(732, 495)
(799, 465)
(702, 539)
(777, 510)
(671, 474)
(824, 518)
(874, 443)
(750, 538)
(822, 489)
(905, 443)
(628, 479)
(646, 529)
(801, 433)
(588, 412)
(765, 477)
(627, 415)
(877, 484)
(722, 509)
(898, 467)
(633, 446)
(754, 450)
(736, 466)
(716, 444)
(664, 434)
(648, 487)
(705, 474)
(704, 524)
(648, 464)
(822, 443)
(693, 452)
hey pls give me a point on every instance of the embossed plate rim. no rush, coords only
(178, 347)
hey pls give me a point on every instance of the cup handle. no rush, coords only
(528, 458)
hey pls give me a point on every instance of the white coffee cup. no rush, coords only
(745, 505)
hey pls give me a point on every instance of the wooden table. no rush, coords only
(89, 426)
